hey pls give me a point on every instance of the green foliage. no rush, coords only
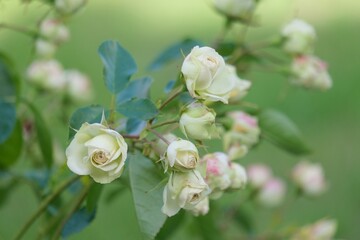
(134, 126)
(138, 108)
(89, 114)
(9, 81)
(43, 135)
(170, 226)
(11, 149)
(119, 65)
(135, 89)
(7, 120)
(277, 128)
(207, 227)
(147, 194)
(174, 52)
(78, 221)
(93, 196)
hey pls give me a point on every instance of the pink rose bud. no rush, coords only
(272, 193)
(258, 175)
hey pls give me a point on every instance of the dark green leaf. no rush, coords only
(135, 89)
(119, 65)
(7, 120)
(89, 114)
(138, 108)
(226, 49)
(43, 135)
(174, 52)
(135, 126)
(78, 221)
(147, 194)
(93, 196)
(11, 149)
(280, 130)
(9, 81)
(170, 226)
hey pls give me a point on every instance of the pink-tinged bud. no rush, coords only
(309, 177)
(259, 175)
(272, 193)
(324, 229)
(53, 30)
(78, 85)
(45, 49)
(238, 176)
(217, 173)
(310, 72)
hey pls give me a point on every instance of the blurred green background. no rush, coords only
(330, 121)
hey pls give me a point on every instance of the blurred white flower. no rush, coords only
(310, 72)
(78, 85)
(44, 48)
(206, 75)
(299, 37)
(238, 176)
(69, 6)
(54, 30)
(309, 177)
(258, 175)
(198, 122)
(241, 9)
(324, 229)
(184, 190)
(272, 193)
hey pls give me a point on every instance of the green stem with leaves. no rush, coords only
(45, 203)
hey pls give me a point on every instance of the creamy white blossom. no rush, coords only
(78, 85)
(272, 193)
(97, 151)
(181, 155)
(299, 37)
(206, 75)
(44, 48)
(258, 175)
(218, 173)
(184, 190)
(323, 229)
(198, 122)
(238, 176)
(69, 6)
(47, 74)
(310, 72)
(309, 177)
(202, 208)
(160, 146)
(241, 87)
(241, 9)
(54, 30)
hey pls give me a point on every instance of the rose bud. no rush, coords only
(198, 121)
(238, 176)
(272, 193)
(54, 30)
(160, 146)
(241, 9)
(309, 177)
(183, 190)
(237, 150)
(78, 85)
(69, 6)
(202, 208)
(97, 151)
(299, 37)
(259, 175)
(45, 49)
(241, 86)
(324, 229)
(181, 155)
(310, 72)
(206, 75)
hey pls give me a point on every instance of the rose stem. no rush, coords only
(159, 136)
(44, 204)
(20, 29)
(76, 204)
(175, 93)
(163, 123)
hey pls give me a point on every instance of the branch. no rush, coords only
(159, 136)
(27, 31)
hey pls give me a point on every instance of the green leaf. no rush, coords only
(9, 81)
(78, 221)
(147, 194)
(207, 226)
(7, 120)
(138, 108)
(244, 219)
(89, 114)
(93, 196)
(170, 226)
(174, 52)
(135, 126)
(11, 149)
(119, 65)
(226, 49)
(281, 131)
(135, 89)
(43, 135)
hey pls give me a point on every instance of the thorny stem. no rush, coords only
(44, 205)
(75, 205)
(159, 135)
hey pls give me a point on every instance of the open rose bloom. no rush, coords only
(97, 151)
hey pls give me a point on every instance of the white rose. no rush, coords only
(202, 208)
(47, 74)
(238, 175)
(69, 6)
(78, 85)
(45, 49)
(54, 30)
(184, 190)
(272, 193)
(198, 121)
(241, 86)
(309, 177)
(217, 173)
(310, 72)
(181, 155)
(242, 9)
(97, 151)
(258, 175)
(206, 75)
(160, 146)
(299, 37)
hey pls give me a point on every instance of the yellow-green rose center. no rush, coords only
(99, 158)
